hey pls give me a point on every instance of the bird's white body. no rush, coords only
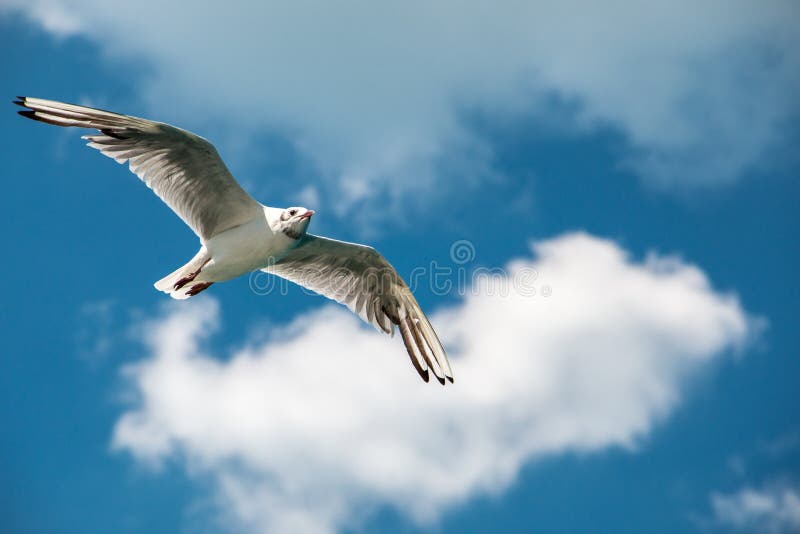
(245, 248)
(253, 245)
(239, 235)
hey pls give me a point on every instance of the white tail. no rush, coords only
(167, 284)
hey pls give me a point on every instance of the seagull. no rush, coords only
(239, 235)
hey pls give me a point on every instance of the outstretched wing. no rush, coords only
(361, 279)
(183, 169)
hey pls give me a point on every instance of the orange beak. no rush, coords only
(307, 215)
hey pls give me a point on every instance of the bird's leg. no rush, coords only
(190, 277)
(186, 279)
(197, 288)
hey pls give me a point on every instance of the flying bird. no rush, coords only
(239, 235)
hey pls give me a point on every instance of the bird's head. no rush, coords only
(294, 221)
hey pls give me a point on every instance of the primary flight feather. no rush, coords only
(239, 235)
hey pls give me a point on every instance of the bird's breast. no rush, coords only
(243, 249)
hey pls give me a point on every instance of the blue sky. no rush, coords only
(642, 164)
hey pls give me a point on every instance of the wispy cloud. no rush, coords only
(771, 509)
(312, 429)
(374, 95)
(96, 331)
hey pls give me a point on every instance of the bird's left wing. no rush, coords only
(182, 168)
(361, 279)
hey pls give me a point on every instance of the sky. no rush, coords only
(595, 205)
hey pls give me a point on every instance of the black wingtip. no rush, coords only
(441, 380)
(19, 103)
(32, 115)
(450, 378)
(115, 134)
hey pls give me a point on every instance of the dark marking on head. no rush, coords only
(292, 233)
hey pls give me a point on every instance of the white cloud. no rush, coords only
(93, 336)
(775, 509)
(52, 16)
(372, 93)
(312, 429)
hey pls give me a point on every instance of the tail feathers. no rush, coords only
(178, 294)
(167, 283)
(189, 289)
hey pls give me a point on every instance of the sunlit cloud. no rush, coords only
(375, 95)
(768, 510)
(323, 422)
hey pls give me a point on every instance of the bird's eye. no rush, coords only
(292, 212)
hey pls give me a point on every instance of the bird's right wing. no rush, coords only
(361, 279)
(183, 169)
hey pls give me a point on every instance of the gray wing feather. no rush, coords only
(361, 279)
(183, 169)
